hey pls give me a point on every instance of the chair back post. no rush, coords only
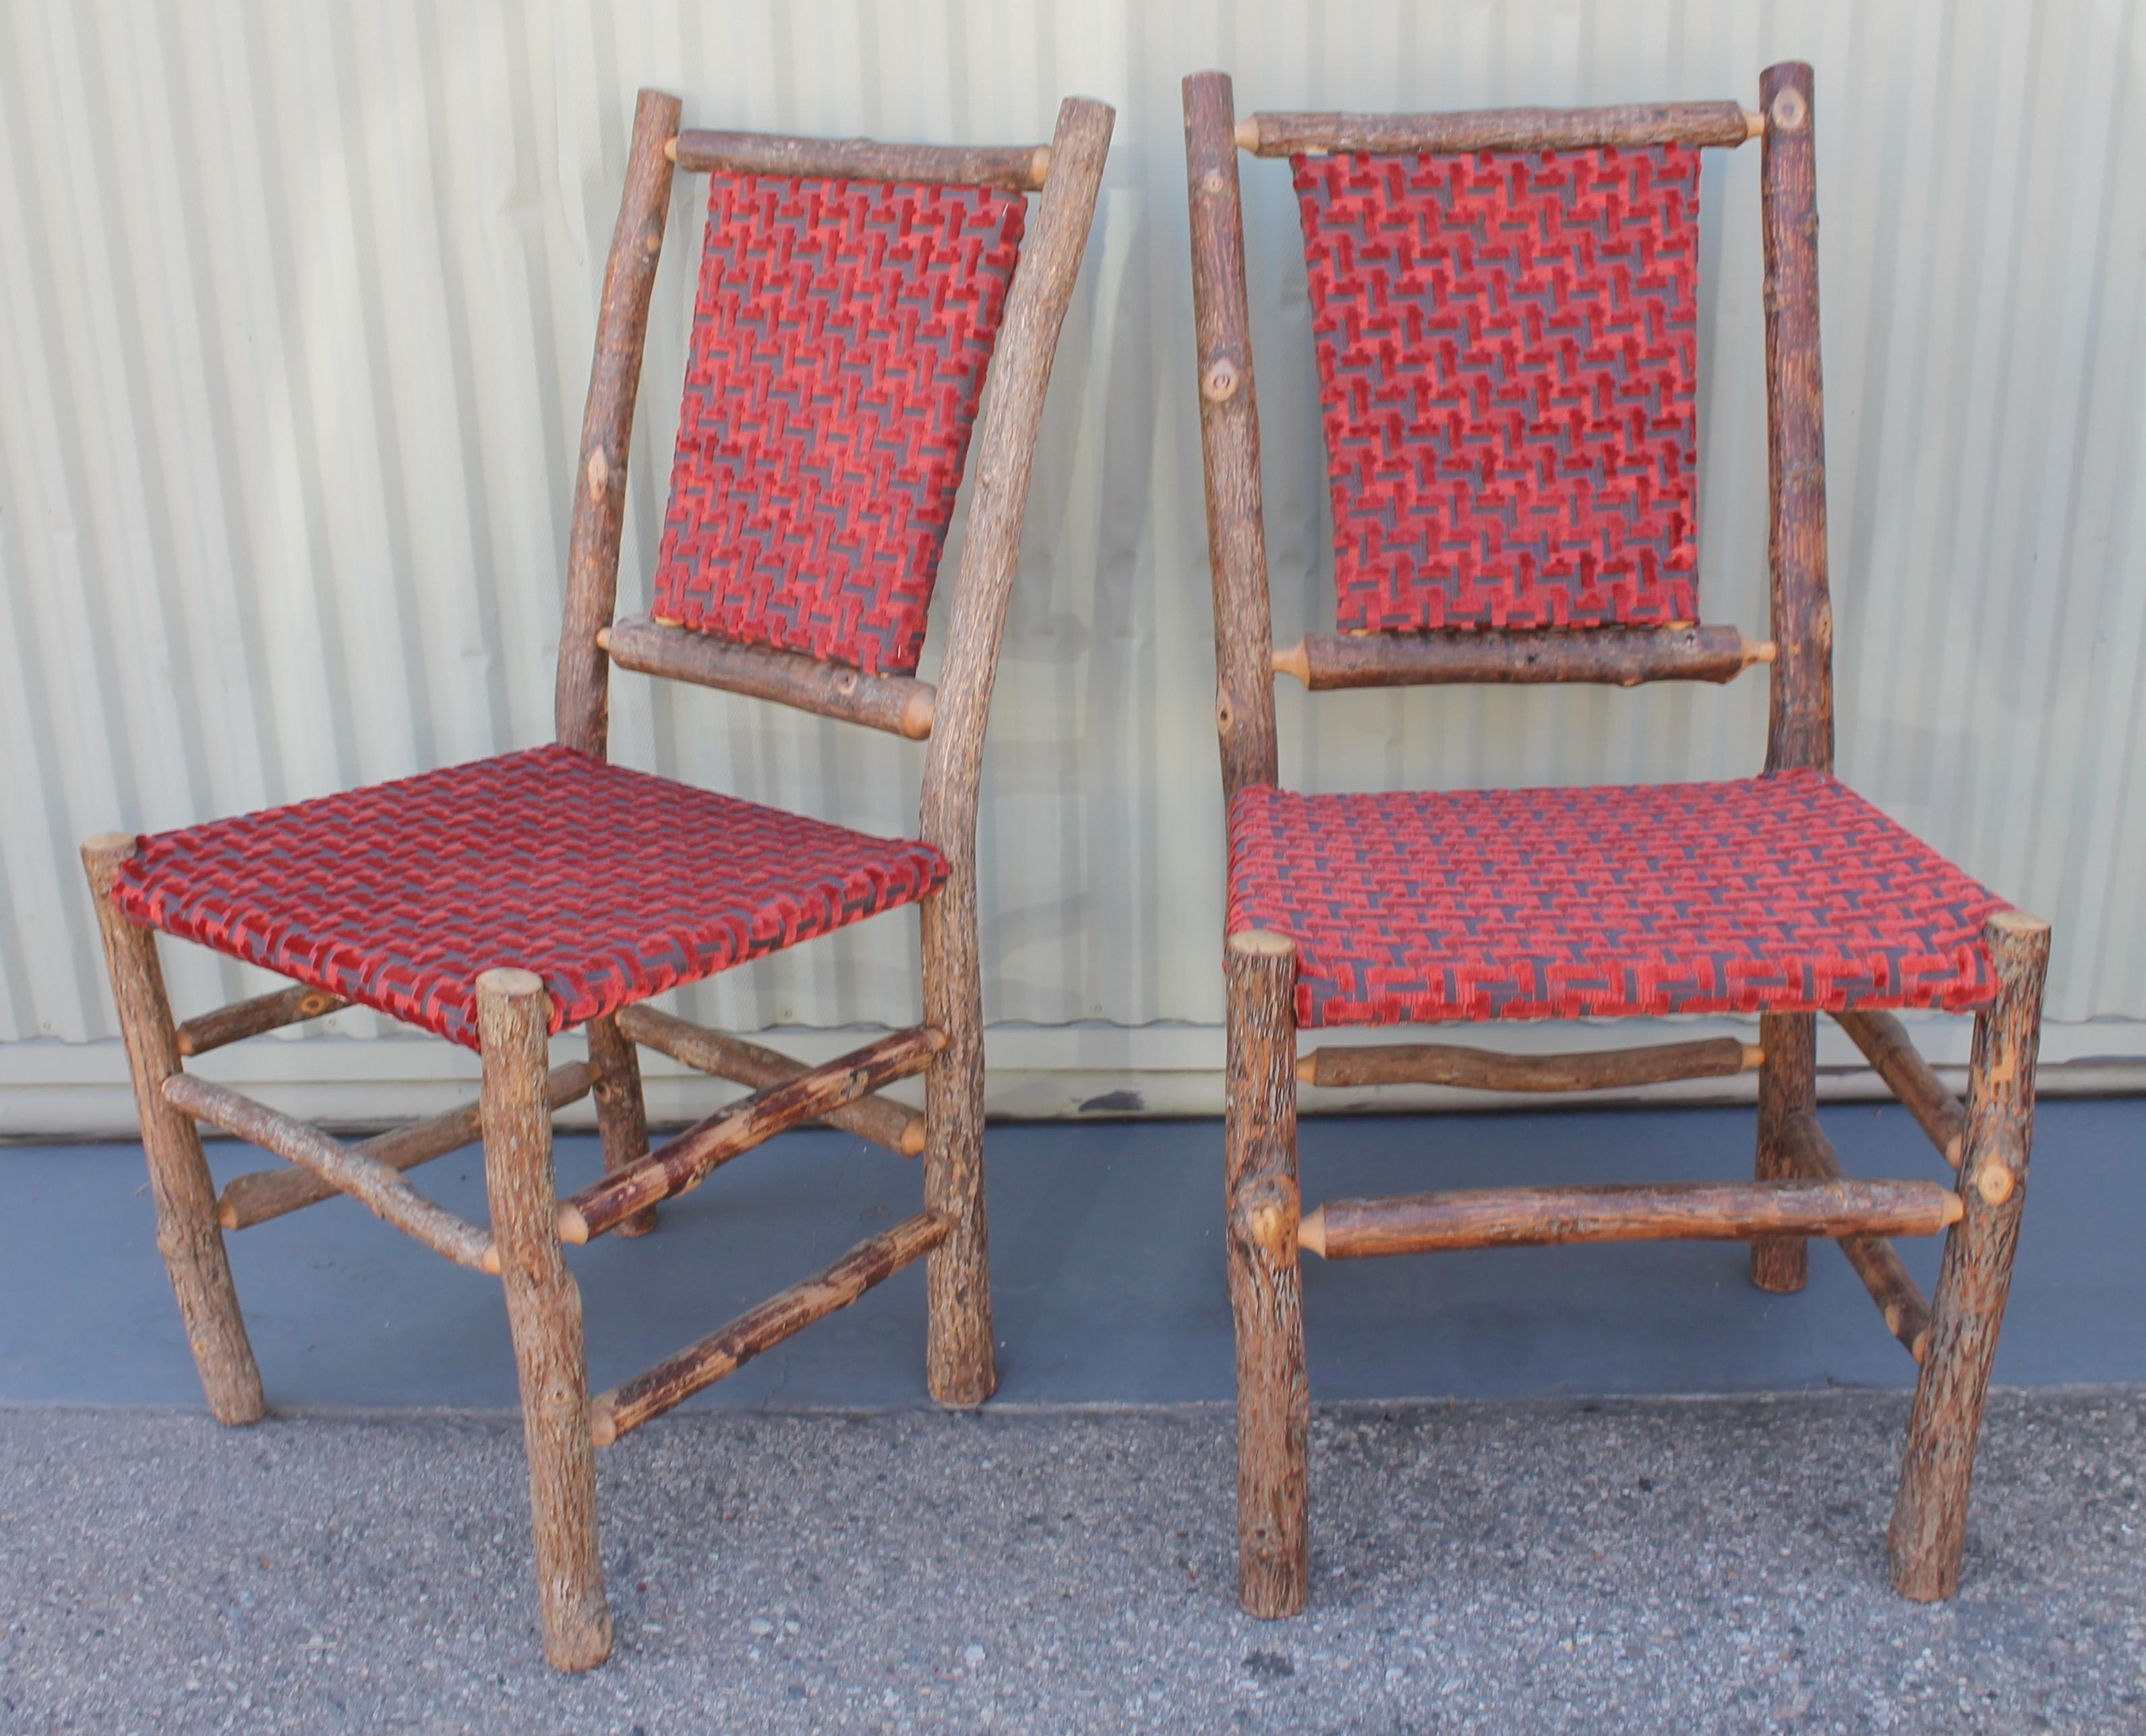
(581, 703)
(1230, 440)
(1800, 720)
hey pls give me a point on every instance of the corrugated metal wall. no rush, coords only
(297, 305)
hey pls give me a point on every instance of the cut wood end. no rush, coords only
(1760, 650)
(935, 1038)
(226, 1214)
(1955, 1209)
(1754, 123)
(1248, 133)
(1754, 1057)
(2017, 924)
(1219, 383)
(1788, 111)
(599, 471)
(1261, 943)
(573, 1227)
(1921, 1344)
(108, 850)
(1996, 1184)
(1294, 659)
(603, 1426)
(1311, 1232)
(912, 1137)
(603, 638)
(508, 983)
(1039, 165)
(670, 149)
(916, 715)
(489, 1260)
(1307, 1068)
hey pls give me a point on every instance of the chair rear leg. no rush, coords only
(1928, 1532)
(961, 1357)
(544, 1312)
(187, 1233)
(621, 1109)
(1787, 1085)
(1262, 1207)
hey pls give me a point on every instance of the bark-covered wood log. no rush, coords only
(381, 1191)
(260, 1194)
(678, 1378)
(689, 1159)
(1229, 440)
(1614, 657)
(960, 1357)
(544, 1312)
(1877, 1262)
(899, 704)
(1894, 1058)
(1533, 1217)
(184, 1196)
(621, 1110)
(1485, 1069)
(716, 1053)
(1021, 168)
(263, 1013)
(1930, 1516)
(1626, 126)
(582, 697)
(1788, 1086)
(1266, 1298)
(1800, 720)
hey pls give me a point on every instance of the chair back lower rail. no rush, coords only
(1613, 656)
(899, 704)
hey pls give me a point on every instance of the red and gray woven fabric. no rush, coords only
(1783, 893)
(840, 342)
(610, 884)
(1508, 359)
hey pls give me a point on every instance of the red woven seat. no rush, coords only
(1785, 892)
(610, 884)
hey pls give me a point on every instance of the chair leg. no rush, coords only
(621, 1109)
(961, 1359)
(1787, 1085)
(544, 1312)
(187, 1233)
(1928, 1532)
(1265, 1286)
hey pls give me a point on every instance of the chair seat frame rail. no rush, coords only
(530, 1227)
(1798, 1191)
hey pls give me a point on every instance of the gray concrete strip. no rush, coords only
(1705, 1566)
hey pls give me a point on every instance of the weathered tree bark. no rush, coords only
(187, 1235)
(1928, 1531)
(1485, 1069)
(1536, 1217)
(689, 1159)
(1877, 1262)
(678, 1378)
(382, 1191)
(1498, 129)
(260, 1194)
(544, 1311)
(1788, 1086)
(960, 1357)
(621, 1110)
(1229, 440)
(1614, 657)
(1260, 1210)
(1021, 168)
(582, 702)
(899, 704)
(1885, 1044)
(880, 1119)
(245, 1018)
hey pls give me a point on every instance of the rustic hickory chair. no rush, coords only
(1503, 307)
(850, 297)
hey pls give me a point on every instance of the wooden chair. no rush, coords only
(1504, 306)
(850, 295)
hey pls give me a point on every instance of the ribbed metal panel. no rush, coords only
(297, 305)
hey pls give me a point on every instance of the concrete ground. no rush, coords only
(1516, 1533)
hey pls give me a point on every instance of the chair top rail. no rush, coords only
(1023, 168)
(1627, 125)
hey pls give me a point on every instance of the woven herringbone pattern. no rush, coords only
(610, 884)
(1507, 357)
(1775, 893)
(840, 342)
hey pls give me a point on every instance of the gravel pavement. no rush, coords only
(1687, 1565)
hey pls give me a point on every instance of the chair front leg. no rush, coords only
(622, 1108)
(1262, 1207)
(1788, 1086)
(1928, 1532)
(959, 1355)
(544, 1312)
(187, 1233)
